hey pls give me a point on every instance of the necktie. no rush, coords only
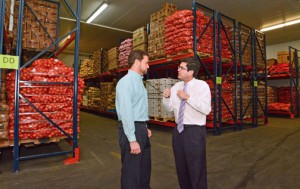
(180, 127)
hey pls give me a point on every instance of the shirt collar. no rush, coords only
(133, 73)
(190, 83)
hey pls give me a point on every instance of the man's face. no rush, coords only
(143, 66)
(183, 72)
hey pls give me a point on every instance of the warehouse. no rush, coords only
(60, 66)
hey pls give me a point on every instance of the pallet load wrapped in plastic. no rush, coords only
(54, 100)
(179, 35)
(155, 87)
(125, 49)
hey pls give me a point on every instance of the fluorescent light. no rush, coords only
(280, 25)
(95, 14)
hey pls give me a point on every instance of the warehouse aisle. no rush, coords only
(265, 157)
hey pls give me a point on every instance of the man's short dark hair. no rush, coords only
(192, 64)
(136, 54)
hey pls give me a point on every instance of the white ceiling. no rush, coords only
(129, 15)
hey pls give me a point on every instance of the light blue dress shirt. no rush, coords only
(131, 102)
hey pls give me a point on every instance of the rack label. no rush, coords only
(255, 83)
(9, 62)
(219, 80)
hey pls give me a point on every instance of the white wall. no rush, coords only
(68, 58)
(272, 53)
(273, 49)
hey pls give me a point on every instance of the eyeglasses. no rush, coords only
(182, 68)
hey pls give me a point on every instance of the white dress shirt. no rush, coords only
(198, 105)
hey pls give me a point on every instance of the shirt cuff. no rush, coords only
(131, 138)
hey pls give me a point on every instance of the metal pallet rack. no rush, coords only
(220, 69)
(260, 77)
(293, 77)
(73, 139)
(252, 76)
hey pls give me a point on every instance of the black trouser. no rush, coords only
(136, 168)
(189, 149)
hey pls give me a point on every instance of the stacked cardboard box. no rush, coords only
(35, 35)
(107, 96)
(246, 45)
(284, 57)
(156, 42)
(104, 60)
(113, 56)
(272, 94)
(247, 96)
(140, 39)
(84, 68)
(93, 95)
(260, 51)
(155, 87)
(261, 93)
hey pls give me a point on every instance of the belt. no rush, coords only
(192, 125)
(137, 122)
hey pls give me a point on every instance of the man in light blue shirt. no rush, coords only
(132, 110)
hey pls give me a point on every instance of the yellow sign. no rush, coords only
(9, 62)
(219, 80)
(255, 83)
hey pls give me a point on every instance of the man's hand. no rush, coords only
(149, 133)
(181, 94)
(167, 93)
(135, 147)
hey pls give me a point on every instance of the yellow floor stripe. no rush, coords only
(116, 155)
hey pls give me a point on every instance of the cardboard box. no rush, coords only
(141, 39)
(283, 57)
(139, 31)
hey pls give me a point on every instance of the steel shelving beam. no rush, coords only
(244, 69)
(2, 14)
(221, 18)
(294, 79)
(74, 137)
(217, 120)
(261, 76)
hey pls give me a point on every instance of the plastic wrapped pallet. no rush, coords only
(155, 87)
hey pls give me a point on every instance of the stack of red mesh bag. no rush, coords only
(284, 100)
(54, 100)
(279, 68)
(227, 94)
(179, 34)
(125, 49)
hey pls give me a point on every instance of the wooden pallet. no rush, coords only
(4, 143)
(32, 142)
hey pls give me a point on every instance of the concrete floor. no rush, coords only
(266, 157)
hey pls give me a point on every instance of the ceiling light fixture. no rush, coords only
(96, 13)
(280, 25)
